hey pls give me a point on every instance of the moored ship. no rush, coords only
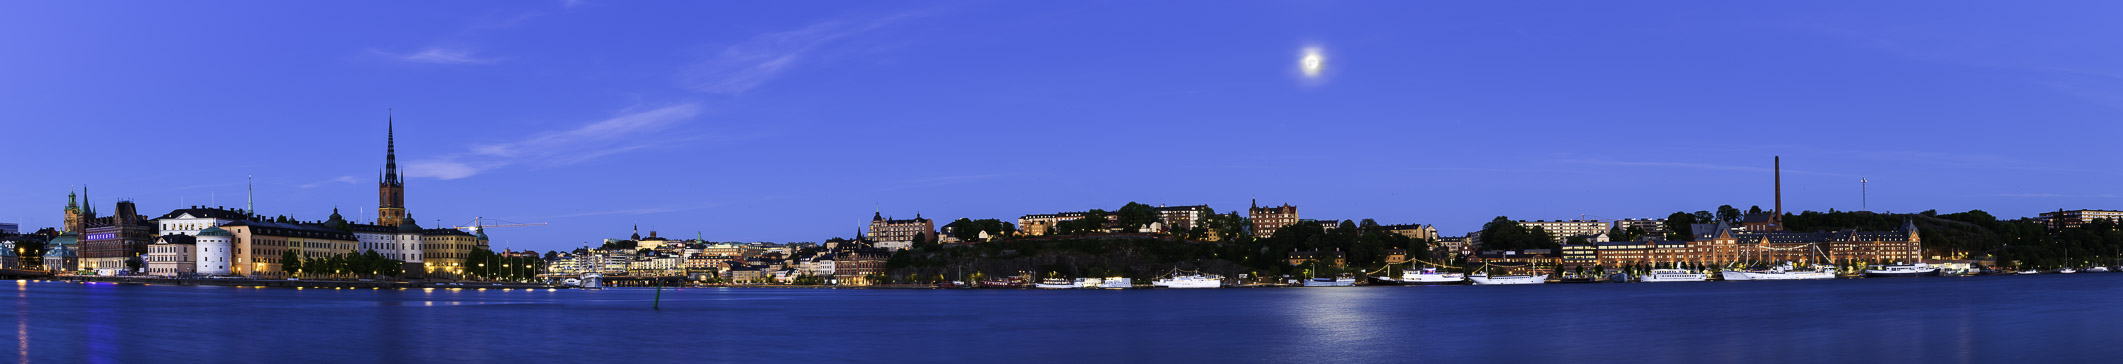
(1673, 275)
(1343, 281)
(1056, 283)
(1485, 279)
(1424, 276)
(1900, 270)
(1190, 280)
(1779, 273)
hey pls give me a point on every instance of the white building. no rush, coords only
(402, 242)
(190, 221)
(1563, 230)
(212, 251)
(171, 256)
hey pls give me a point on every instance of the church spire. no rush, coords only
(390, 150)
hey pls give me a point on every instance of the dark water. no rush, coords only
(2050, 318)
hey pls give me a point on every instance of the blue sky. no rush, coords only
(794, 123)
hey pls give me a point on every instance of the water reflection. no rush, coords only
(1334, 321)
(22, 320)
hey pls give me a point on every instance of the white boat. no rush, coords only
(1900, 270)
(1343, 281)
(1056, 283)
(2030, 271)
(1194, 280)
(1485, 279)
(1673, 275)
(1117, 283)
(2097, 269)
(2066, 270)
(1779, 273)
(1431, 276)
(592, 280)
(1089, 282)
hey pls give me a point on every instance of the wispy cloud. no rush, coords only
(340, 179)
(2049, 195)
(751, 63)
(942, 181)
(598, 139)
(437, 55)
(1689, 165)
(633, 211)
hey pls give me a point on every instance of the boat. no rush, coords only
(1673, 275)
(1425, 276)
(1900, 270)
(1056, 283)
(1343, 281)
(1579, 278)
(2066, 270)
(1117, 283)
(1006, 282)
(1779, 273)
(2097, 269)
(1089, 282)
(2030, 271)
(592, 281)
(1618, 278)
(1191, 280)
(1485, 279)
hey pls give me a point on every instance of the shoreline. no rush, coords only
(338, 284)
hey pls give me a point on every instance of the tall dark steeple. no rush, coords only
(390, 190)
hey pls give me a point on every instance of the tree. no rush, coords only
(1502, 233)
(1680, 224)
(30, 249)
(1704, 217)
(290, 262)
(133, 264)
(1754, 209)
(1728, 214)
(1134, 216)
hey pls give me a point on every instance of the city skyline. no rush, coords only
(797, 124)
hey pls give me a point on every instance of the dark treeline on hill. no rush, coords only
(1218, 245)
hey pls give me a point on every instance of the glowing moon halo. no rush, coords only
(1312, 62)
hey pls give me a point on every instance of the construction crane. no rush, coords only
(479, 223)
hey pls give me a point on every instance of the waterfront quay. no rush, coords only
(291, 283)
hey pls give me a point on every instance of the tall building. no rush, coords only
(111, 241)
(899, 234)
(1563, 230)
(1652, 227)
(1182, 218)
(1267, 219)
(2063, 219)
(390, 209)
(77, 215)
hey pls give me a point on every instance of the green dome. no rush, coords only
(214, 231)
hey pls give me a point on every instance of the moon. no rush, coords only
(1312, 63)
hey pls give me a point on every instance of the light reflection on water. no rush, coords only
(1984, 319)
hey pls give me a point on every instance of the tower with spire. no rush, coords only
(76, 219)
(390, 208)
